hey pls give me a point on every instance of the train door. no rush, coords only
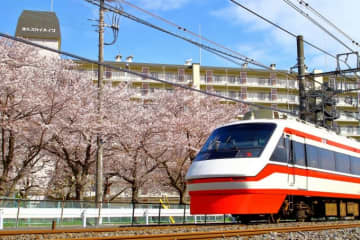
(297, 175)
(289, 157)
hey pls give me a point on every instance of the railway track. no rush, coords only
(174, 232)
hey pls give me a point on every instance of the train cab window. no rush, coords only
(342, 162)
(311, 155)
(299, 153)
(326, 159)
(281, 152)
(237, 141)
(355, 165)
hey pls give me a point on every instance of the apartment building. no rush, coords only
(275, 88)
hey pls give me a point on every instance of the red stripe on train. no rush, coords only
(274, 168)
(319, 139)
(274, 192)
(248, 201)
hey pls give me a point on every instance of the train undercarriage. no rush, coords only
(302, 209)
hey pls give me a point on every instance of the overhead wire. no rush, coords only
(109, 66)
(340, 72)
(281, 28)
(203, 46)
(307, 5)
(144, 22)
(181, 28)
(288, 2)
(291, 34)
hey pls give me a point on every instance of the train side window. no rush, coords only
(342, 162)
(311, 155)
(326, 159)
(280, 153)
(355, 165)
(299, 153)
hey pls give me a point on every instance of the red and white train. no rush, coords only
(278, 168)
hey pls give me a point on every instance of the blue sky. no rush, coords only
(218, 20)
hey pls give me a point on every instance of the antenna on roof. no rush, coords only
(52, 6)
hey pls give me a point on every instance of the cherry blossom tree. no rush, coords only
(131, 145)
(33, 93)
(187, 119)
(73, 138)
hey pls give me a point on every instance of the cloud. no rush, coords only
(342, 13)
(163, 5)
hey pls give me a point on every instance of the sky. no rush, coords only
(218, 20)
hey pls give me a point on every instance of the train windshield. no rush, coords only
(237, 141)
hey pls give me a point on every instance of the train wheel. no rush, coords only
(274, 218)
(301, 215)
(242, 219)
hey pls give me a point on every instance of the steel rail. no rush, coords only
(221, 234)
(209, 234)
(111, 229)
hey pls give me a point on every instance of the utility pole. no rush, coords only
(303, 108)
(99, 154)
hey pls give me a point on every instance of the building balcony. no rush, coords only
(250, 82)
(350, 131)
(127, 77)
(348, 117)
(346, 102)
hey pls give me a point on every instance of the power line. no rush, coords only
(288, 32)
(288, 2)
(281, 28)
(301, 2)
(203, 46)
(141, 75)
(181, 28)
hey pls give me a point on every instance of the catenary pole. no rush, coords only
(99, 154)
(301, 71)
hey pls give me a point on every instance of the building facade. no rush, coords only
(274, 88)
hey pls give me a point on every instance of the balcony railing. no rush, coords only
(251, 82)
(350, 131)
(344, 116)
(127, 77)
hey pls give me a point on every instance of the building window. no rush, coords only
(145, 89)
(273, 78)
(145, 71)
(154, 74)
(209, 76)
(243, 76)
(231, 79)
(232, 94)
(108, 74)
(243, 93)
(181, 75)
(273, 94)
(332, 82)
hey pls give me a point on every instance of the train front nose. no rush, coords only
(223, 177)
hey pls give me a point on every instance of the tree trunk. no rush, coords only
(182, 195)
(134, 194)
(79, 191)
